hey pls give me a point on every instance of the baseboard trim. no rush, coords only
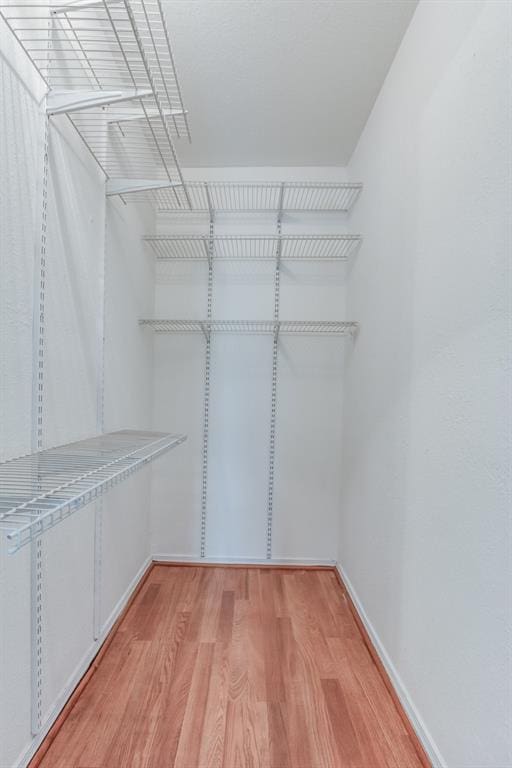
(127, 598)
(83, 674)
(242, 562)
(418, 733)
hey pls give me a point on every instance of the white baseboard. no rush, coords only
(197, 560)
(80, 670)
(405, 699)
(107, 626)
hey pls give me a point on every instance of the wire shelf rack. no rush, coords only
(109, 67)
(311, 327)
(40, 490)
(255, 247)
(256, 197)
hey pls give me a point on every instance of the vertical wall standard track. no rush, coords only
(36, 548)
(272, 445)
(206, 411)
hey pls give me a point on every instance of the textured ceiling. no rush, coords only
(281, 82)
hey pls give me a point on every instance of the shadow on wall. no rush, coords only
(74, 301)
(21, 126)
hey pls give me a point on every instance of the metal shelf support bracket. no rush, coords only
(125, 186)
(60, 102)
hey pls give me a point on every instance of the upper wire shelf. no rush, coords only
(39, 490)
(257, 197)
(333, 327)
(254, 247)
(109, 67)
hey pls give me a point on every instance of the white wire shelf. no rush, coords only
(311, 327)
(255, 247)
(109, 67)
(40, 490)
(256, 197)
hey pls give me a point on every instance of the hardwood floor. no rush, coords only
(235, 668)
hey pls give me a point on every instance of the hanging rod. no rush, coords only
(254, 247)
(312, 327)
(108, 66)
(41, 489)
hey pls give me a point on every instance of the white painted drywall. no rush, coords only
(425, 523)
(308, 428)
(76, 235)
(20, 136)
(128, 389)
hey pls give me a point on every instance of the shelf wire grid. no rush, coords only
(256, 197)
(255, 247)
(103, 47)
(39, 490)
(296, 327)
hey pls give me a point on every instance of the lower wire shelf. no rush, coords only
(311, 327)
(253, 247)
(41, 489)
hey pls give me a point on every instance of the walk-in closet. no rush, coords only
(255, 355)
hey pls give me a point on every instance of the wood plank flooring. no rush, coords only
(235, 668)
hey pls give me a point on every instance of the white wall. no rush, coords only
(128, 395)
(20, 133)
(425, 527)
(72, 380)
(308, 428)
(20, 137)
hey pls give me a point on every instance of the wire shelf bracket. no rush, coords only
(115, 187)
(41, 489)
(61, 102)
